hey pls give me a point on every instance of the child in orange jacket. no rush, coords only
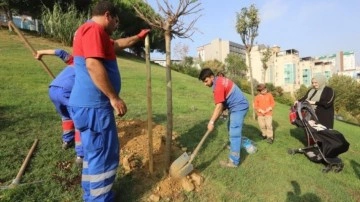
(263, 105)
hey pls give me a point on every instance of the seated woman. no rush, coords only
(321, 98)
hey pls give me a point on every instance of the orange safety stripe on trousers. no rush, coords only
(77, 136)
(67, 125)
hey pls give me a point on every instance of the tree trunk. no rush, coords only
(264, 74)
(169, 127)
(251, 84)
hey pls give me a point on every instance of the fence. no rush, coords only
(23, 22)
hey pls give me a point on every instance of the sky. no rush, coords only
(313, 27)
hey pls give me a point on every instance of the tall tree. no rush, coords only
(247, 24)
(265, 56)
(130, 24)
(171, 21)
(235, 65)
(215, 65)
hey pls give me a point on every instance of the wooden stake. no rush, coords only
(149, 103)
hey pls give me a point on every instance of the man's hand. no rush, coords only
(38, 55)
(210, 126)
(142, 34)
(268, 109)
(119, 106)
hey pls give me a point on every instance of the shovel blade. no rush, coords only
(183, 172)
(179, 163)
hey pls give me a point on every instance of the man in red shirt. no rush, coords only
(227, 95)
(95, 97)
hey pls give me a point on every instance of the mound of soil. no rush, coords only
(134, 158)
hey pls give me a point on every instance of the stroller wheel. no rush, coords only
(291, 151)
(327, 169)
(338, 167)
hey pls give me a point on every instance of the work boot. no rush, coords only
(227, 164)
(67, 145)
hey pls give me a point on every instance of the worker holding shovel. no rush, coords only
(227, 95)
(59, 93)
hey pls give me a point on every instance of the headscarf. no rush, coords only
(321, 79)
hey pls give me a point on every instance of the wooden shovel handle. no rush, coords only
(198, 146)
(46, 68)
(16, 181)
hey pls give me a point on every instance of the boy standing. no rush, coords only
(263, 105)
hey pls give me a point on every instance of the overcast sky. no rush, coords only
(313, 27)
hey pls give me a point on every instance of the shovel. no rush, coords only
(182, 166)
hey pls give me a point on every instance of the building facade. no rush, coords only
(218, 49)
(285, 68)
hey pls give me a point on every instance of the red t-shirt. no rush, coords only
(222, 89)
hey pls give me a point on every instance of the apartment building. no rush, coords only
(285, 68)
(256, 64)
(218, 49)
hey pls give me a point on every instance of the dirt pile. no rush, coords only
(134, 158)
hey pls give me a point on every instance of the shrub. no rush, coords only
(285, 98)
(299, 93)
(185, 69)
(61, 25)
(243, 84)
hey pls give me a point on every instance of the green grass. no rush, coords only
(271, 174)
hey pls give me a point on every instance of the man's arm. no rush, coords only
(40, 53)
(62, 54)
(123, 43)
(100, 78)
(219, 108)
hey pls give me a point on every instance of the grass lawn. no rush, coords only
(271, 174)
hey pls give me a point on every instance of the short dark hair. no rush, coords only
(204, 73)
(104, 6)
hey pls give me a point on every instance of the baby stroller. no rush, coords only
(323, 145)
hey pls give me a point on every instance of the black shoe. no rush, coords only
(269, 140)
(67, 145)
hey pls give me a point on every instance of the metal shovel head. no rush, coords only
(179, 163)
(183, 172)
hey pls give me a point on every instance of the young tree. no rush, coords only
(170, 21)
(247, 24)
(265, 56)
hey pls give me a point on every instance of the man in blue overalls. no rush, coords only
(59, 93)
(95, 96)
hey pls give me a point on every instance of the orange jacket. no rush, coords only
(264, 102)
